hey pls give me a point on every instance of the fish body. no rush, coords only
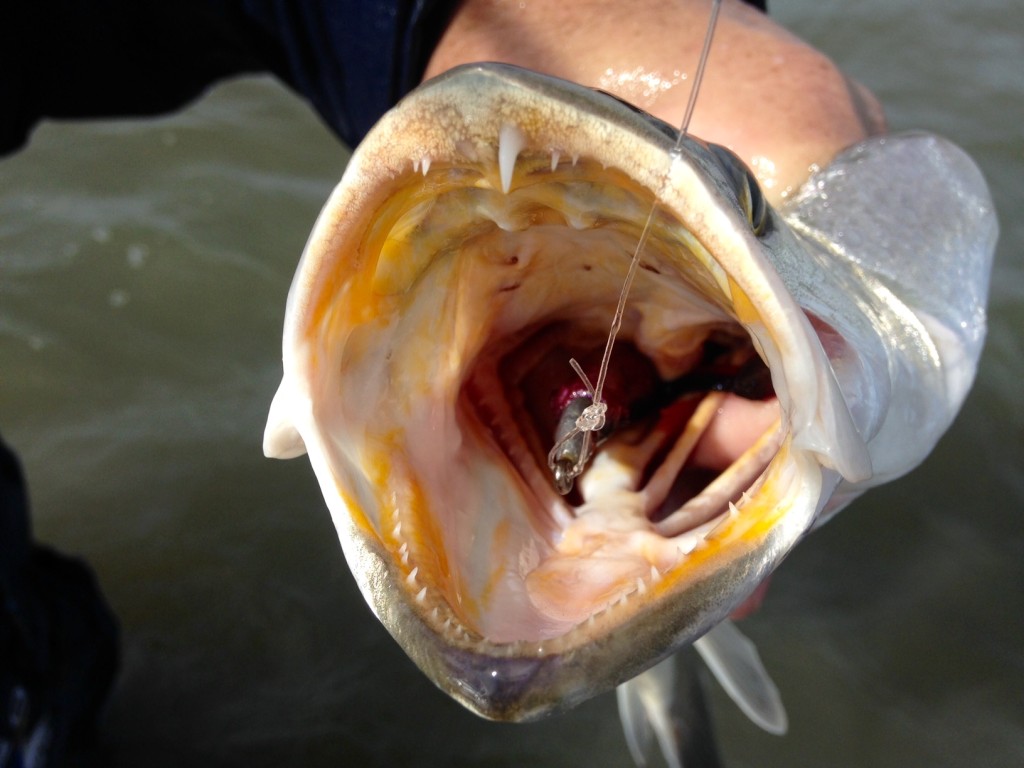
(479, 239)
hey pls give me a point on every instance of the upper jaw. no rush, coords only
(375, 387)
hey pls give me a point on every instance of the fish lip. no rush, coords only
(528, 683)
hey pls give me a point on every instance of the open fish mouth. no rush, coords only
(478, 241)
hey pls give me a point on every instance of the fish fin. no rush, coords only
(280, 439)
(644, 708)
(734, 661)
(669, 703)
(635, 726)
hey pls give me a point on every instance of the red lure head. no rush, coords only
(630, 378)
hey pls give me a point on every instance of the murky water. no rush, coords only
(143, 269)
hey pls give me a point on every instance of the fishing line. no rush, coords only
(592, 418)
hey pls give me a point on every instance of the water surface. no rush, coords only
(143, 270)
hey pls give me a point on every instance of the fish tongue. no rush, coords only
(606, 554)
(572, 589)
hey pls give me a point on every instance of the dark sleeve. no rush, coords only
(351, 59)
(14, 521)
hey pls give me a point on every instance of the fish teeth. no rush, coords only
(422, 165)
(732, 513)
(421, 595)
(554, 160)
(411, 578)
(639, 589)
(510, 143)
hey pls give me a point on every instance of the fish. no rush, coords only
(771, 366)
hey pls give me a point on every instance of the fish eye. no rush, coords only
(748, 191)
